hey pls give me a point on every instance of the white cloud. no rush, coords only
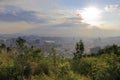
(112, 8)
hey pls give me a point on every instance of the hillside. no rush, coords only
(29, 63)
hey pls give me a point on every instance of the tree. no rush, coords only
(20, 42)
(21, 57)
(2, 47)
(54, 57)
(110, 49)
(79, 49)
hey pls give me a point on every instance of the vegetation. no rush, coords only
(79, 50)
(23, 63)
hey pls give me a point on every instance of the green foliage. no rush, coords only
(2, 47)
(104, 67)
(34, 65)
(20, 42)
(79, 50)
(110, 49)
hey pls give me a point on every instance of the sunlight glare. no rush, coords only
(91, 15)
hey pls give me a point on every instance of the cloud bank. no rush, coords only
(16, 14)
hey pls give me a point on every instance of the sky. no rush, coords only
(86, 18)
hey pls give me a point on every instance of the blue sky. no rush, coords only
(91, 18)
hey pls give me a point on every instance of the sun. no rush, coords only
(91, 15)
